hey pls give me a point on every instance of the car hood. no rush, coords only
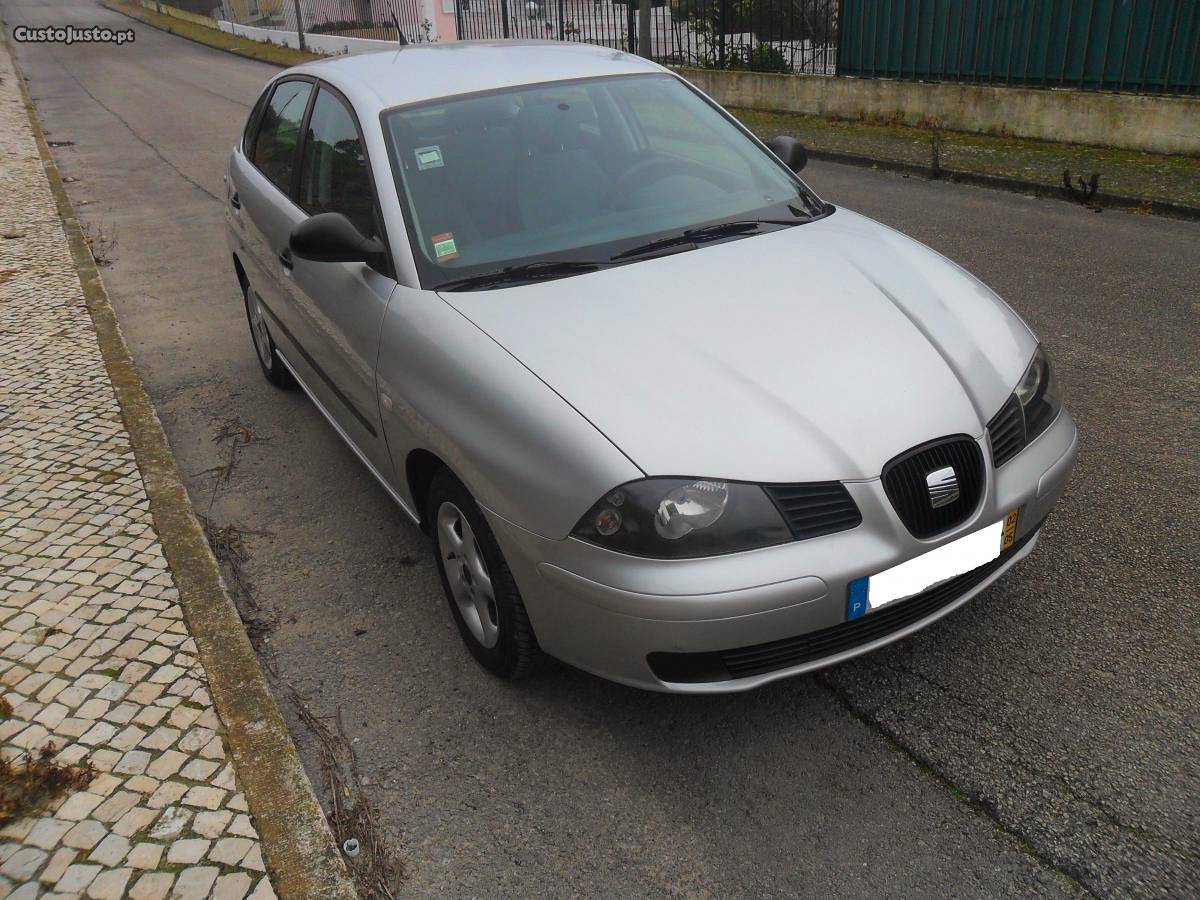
(814, 353)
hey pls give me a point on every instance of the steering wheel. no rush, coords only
(651, 169)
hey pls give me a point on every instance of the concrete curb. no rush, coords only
(299, 848)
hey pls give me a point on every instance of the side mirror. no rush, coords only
(790, 151)
(331, 237)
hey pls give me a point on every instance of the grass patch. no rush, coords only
(1023, 845)
(283, 56)
(1128, 172)
(30, 782)
(6, 709)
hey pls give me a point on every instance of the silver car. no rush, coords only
(667, 415)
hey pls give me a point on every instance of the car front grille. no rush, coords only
(1006, 432)
(745, 662)
(814, 509)
(904, 481)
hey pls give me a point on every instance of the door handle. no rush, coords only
(234, 201)
(285, 257)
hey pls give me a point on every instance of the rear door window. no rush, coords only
(252, 123)
(279, 134)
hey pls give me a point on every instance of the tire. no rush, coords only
(264, 345)
(495, 628)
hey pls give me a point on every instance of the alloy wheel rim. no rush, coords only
(258, 327)
(467, 574)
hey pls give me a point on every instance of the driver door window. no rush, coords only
(333, 174)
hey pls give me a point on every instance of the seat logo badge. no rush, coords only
(943, 487)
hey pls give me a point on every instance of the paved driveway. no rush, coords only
(1041, 740)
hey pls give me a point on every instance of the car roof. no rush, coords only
(418, 72)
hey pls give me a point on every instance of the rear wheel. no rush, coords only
(483, 597)
(264, 347)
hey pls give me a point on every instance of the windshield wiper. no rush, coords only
(534, 271)
(548, 268)
(705, 233)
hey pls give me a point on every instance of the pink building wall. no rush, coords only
(444, 20)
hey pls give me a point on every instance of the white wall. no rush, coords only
(329, 44)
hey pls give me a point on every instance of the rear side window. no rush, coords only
(279, 134)
(334, 175)
(252, 123)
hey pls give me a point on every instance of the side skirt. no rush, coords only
(345, 437)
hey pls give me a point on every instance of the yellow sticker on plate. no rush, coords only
(1010, 529)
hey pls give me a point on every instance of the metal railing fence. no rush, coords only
(1145, 46)
(797, 36)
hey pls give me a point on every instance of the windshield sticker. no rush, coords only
(444, 246)
(429, 158)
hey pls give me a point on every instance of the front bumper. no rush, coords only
(610, 614)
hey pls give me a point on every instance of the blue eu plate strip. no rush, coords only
(856, 602)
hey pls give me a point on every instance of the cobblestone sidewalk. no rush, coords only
(95, 655)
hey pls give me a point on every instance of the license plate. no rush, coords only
(931, 569)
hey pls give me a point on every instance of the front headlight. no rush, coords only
(682, 518)
(1038, 395)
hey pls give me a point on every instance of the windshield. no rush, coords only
(577, 171)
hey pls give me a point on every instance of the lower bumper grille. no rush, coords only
(744, 662)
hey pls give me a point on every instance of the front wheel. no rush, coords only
(264, 347)
(479, 586)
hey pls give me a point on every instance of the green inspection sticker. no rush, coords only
(444, 246)
(429, 158)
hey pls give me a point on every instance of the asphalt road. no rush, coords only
(1041, 741)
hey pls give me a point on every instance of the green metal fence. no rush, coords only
(1147, 46)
